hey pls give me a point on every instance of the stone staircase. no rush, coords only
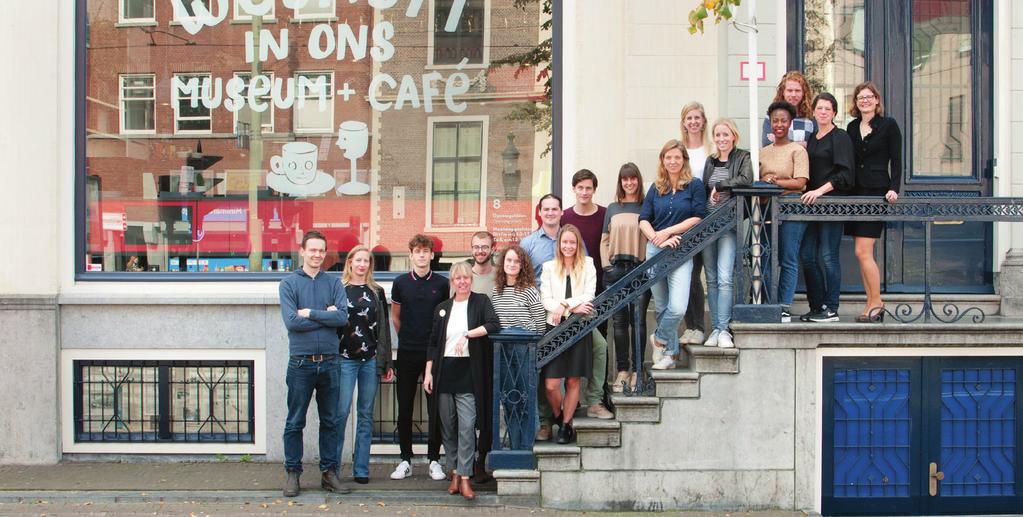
(557, 463)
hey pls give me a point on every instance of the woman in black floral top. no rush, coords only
(365, 353)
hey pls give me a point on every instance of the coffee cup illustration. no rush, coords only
(297, 162)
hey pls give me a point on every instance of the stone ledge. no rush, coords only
(994, 332)
(556, 457)
(167, 299)
(676, 384)
(28, 302)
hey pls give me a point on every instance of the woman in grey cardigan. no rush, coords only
(727, 167)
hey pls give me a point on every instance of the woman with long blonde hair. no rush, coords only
(675, 203)
(694, 136)
(568, 285)
(365, 347)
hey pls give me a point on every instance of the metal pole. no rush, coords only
(754, 118)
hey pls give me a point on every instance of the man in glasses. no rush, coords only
(483, 263)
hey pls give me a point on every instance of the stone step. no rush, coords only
(637, 409)
(677, 383)
(705, 359)
(852, 304)
(556, 457)
(517, 482)
(594, 432)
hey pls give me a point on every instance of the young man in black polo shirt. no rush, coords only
(413, 298)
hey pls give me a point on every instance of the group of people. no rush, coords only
(338, 329)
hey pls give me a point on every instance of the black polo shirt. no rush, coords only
(418, 296)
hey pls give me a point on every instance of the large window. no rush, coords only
(242, 14)
(457, 165)
(137, 103)
(210, 148)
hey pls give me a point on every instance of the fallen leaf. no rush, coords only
(381, 504)
(323, 507)
(291, 503)
(264, 505)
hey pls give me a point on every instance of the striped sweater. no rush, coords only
(520, 308)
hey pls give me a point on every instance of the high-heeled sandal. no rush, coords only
(873, 315)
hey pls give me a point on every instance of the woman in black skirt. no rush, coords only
(877, 144)
(567, 286)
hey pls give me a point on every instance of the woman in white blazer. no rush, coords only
(567, 286)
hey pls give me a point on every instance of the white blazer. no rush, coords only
(552, 287)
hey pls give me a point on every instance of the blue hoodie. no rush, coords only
(316, 334)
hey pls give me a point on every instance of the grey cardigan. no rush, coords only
(740, 170)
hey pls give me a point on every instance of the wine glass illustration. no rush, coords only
(353, 138)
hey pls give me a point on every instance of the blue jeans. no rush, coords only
(718, 264)
(822, 270)
(303, 378)
(363, 373)
(791, 236)
(671, 296)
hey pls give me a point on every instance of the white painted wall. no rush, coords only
(29, 144)
(1008, 78)
(631, 65)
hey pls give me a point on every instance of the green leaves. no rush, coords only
(721, 9)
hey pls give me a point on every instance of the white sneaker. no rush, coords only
(695, 337)
(683, 339)
(667, 362)
(712, 340)
(402, 471)
(436, 471)
(656, 348)
(725, 339)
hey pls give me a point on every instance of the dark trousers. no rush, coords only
(408, 368)
(623, 321)
(695, 309)
(822, 268)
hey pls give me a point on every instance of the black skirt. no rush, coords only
(577, 361)
(872, 229)
(456, 376)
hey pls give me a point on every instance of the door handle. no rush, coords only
(934, 475)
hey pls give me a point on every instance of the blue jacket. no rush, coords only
(662, 211)
(316, 334)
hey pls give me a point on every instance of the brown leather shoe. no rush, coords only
(466, 489)
(453, 487)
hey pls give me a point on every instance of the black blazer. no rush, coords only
(883, 146)
(480, 311)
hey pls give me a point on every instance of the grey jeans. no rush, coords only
(458, 415)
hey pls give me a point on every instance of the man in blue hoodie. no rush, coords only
(313, 306)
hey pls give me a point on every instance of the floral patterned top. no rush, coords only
(359, 337)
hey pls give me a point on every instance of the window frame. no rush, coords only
(122, 100)
(122, 17)
(430, 40)
(176, 105)
(269, 101)
(238, 16)
(431, 125)
(330, 96)
(297, 16)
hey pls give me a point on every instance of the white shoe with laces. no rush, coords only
(725, 339)
(436, 471)
(712, 339)
(695, 337)
(667, 362)
(402, 471)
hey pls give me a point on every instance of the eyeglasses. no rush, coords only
(865, 97)
(481, 248)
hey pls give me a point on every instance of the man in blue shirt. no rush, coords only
(540, 244)
(313, 307)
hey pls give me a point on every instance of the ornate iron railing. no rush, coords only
(630, 287)
(515, 385)
(926, 210)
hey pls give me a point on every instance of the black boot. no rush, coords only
(291, 483)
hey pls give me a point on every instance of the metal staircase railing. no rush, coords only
(630, 287)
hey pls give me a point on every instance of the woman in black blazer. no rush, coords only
(459, 368)
(877, 145)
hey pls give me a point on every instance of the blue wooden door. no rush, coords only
(922, 436)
